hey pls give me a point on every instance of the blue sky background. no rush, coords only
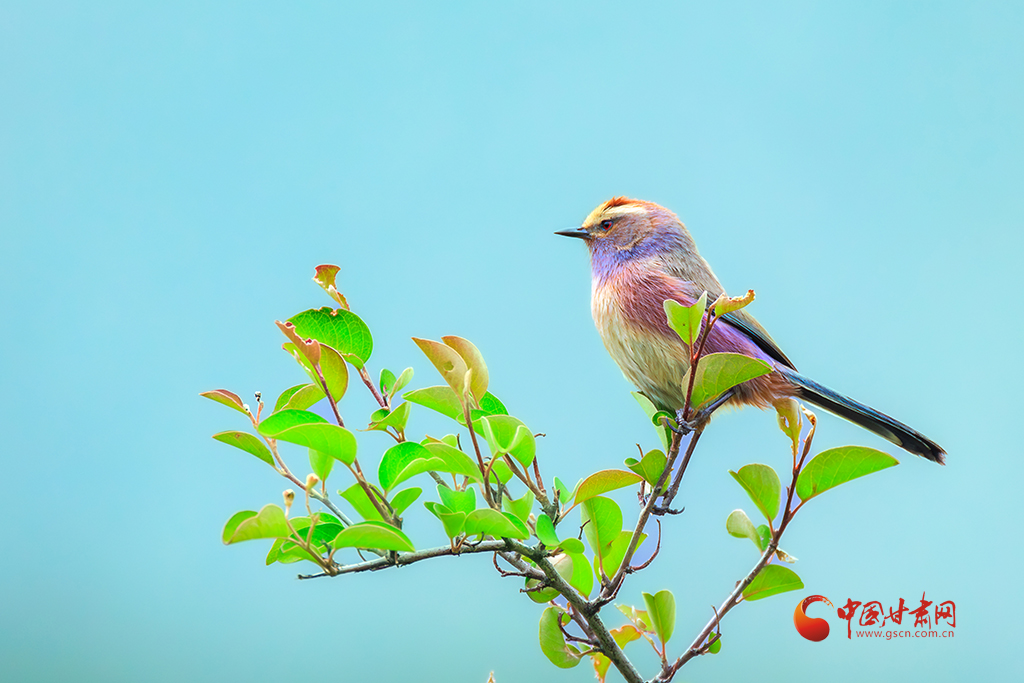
(169, 177)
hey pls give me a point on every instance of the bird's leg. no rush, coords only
(701, 417)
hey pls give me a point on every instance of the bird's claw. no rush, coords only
(661, 510)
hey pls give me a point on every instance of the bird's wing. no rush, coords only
(745, 323)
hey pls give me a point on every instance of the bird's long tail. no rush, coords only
(886, 427)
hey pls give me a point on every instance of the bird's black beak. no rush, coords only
(574, 232)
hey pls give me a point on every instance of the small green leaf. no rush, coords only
(686, 320)
(762, 485)
(650, 467)
(454, 522)
(650, 410)
(342, 330)
(639, 618)
(299, 397)
(616, 551)
(490, 405)
(493, 523)
(546, 531)
(727, 304)
(716, 646)
(772, 580)
(403, 461)
(373, 535)
(839, 465)
(582, 578)
(573, 546)
(321, 464)
(248, 443)
(552, 641)
(276, 423)
(454, 460)
(604, 481)
(602, 523)
(788, 411)
(328, 439)
(765, 534)
(740, 526)
(245, 526)
(520, 507)
(564, 492)
(396, 419)
(457, 501)
(500, 470)
(401, 501)
(225, 397)
(662, 608)
(719, 372)
(402, 382)
(360, 502)
(387, 381)
(506, 434)
(441, 399)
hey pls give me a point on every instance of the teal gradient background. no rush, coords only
(169, 177)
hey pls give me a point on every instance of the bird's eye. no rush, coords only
(606, 224)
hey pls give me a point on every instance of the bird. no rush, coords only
(641, 255)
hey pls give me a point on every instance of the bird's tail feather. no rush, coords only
(886, 427)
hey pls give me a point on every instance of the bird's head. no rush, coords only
(622, 230)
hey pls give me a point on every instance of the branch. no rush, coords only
(730, 602)
(402, 559)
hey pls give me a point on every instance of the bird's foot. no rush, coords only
(661, 510)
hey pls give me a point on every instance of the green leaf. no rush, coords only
(403, 461)
(297, 426)
(506, 434)
(638, 617)
(564, 492)
(839, 465)
(552, 642)
(335, 372)
(387, 380)
(582, 578)
(276, 423)
(772, 580)
(573, 546)
(650, 410)
(474, 361)
(247, 525)
(500, 470)
(396, 419)
(454, 522)
(402, 382)
(225, 397)
(765, 535)
(616, 551)
(650, 467)
(373, 535)
(306, 397)
(457, 501)
(404, 498)
(321, 464)
(493, 523)
(686, 320)
(282, 400)
(662, 608)
(604, 481)
(360, 502)
(715, 646)
(762, 485)
(441, 399)
(719, 372)
(490, 405)
(546, 531)
(740, 526)
(727, 304)
(520, 507)
(343, 331)
(602, 523)
(454, 460)
(248, 443)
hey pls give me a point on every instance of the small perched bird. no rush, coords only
(641, 254)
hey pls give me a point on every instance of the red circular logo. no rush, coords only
(811, 628)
